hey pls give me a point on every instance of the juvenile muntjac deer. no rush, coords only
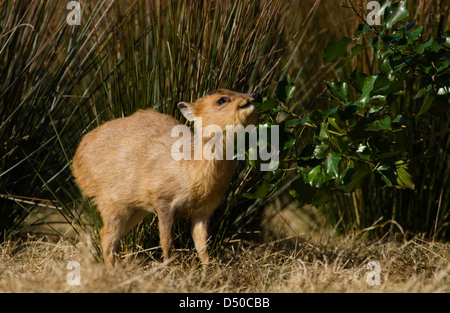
(126, 166)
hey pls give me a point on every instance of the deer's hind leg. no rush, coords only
(115, 219)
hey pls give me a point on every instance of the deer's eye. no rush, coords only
(223, 100)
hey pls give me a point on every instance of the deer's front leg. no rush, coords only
(200, 236)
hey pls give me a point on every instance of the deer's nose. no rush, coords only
(256, 97)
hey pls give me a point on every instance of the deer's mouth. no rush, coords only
(246, 105)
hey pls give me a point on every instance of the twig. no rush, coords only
(30, 200)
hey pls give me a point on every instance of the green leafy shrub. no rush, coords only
(388, 128)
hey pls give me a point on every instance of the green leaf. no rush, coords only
(261, 192)
(369, 83)
(408, 26)
(426, 105)
(386, 66)
(398, 121)
(346, 175)
(443, 91)
(320, 151)
(404, 178)
(285, 89)
(335, 50)
(355, 50)
(395, 13)
(379, 125)
(339, 90)
(358, 79)
(396, 175)
(339, 143)
(334, 122)
(328, 112)
(402, 44)
(323, 134)
(252, 161)
(445, 39)
(362, 29)
(361, 171)
(381, 84)
(297, 121)
(337, 124)
(388, 175)
(320, 198)
(384, 85)
(317, 177)
(385, 4)
(415, 34)
(267, 105)
(287, 139)
(420, 49)
(301, 191)
(332, 164)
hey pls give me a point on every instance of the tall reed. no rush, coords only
(59, 81)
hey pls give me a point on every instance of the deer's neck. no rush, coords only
(210, 170)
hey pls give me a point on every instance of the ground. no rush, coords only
(334, 264)
(294, 251)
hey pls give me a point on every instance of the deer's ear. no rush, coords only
(186, 110)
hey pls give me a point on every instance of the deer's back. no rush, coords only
(127, 159)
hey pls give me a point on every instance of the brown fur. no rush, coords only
(126, 166)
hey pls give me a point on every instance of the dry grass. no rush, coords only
(314, 260)
(332, 265)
